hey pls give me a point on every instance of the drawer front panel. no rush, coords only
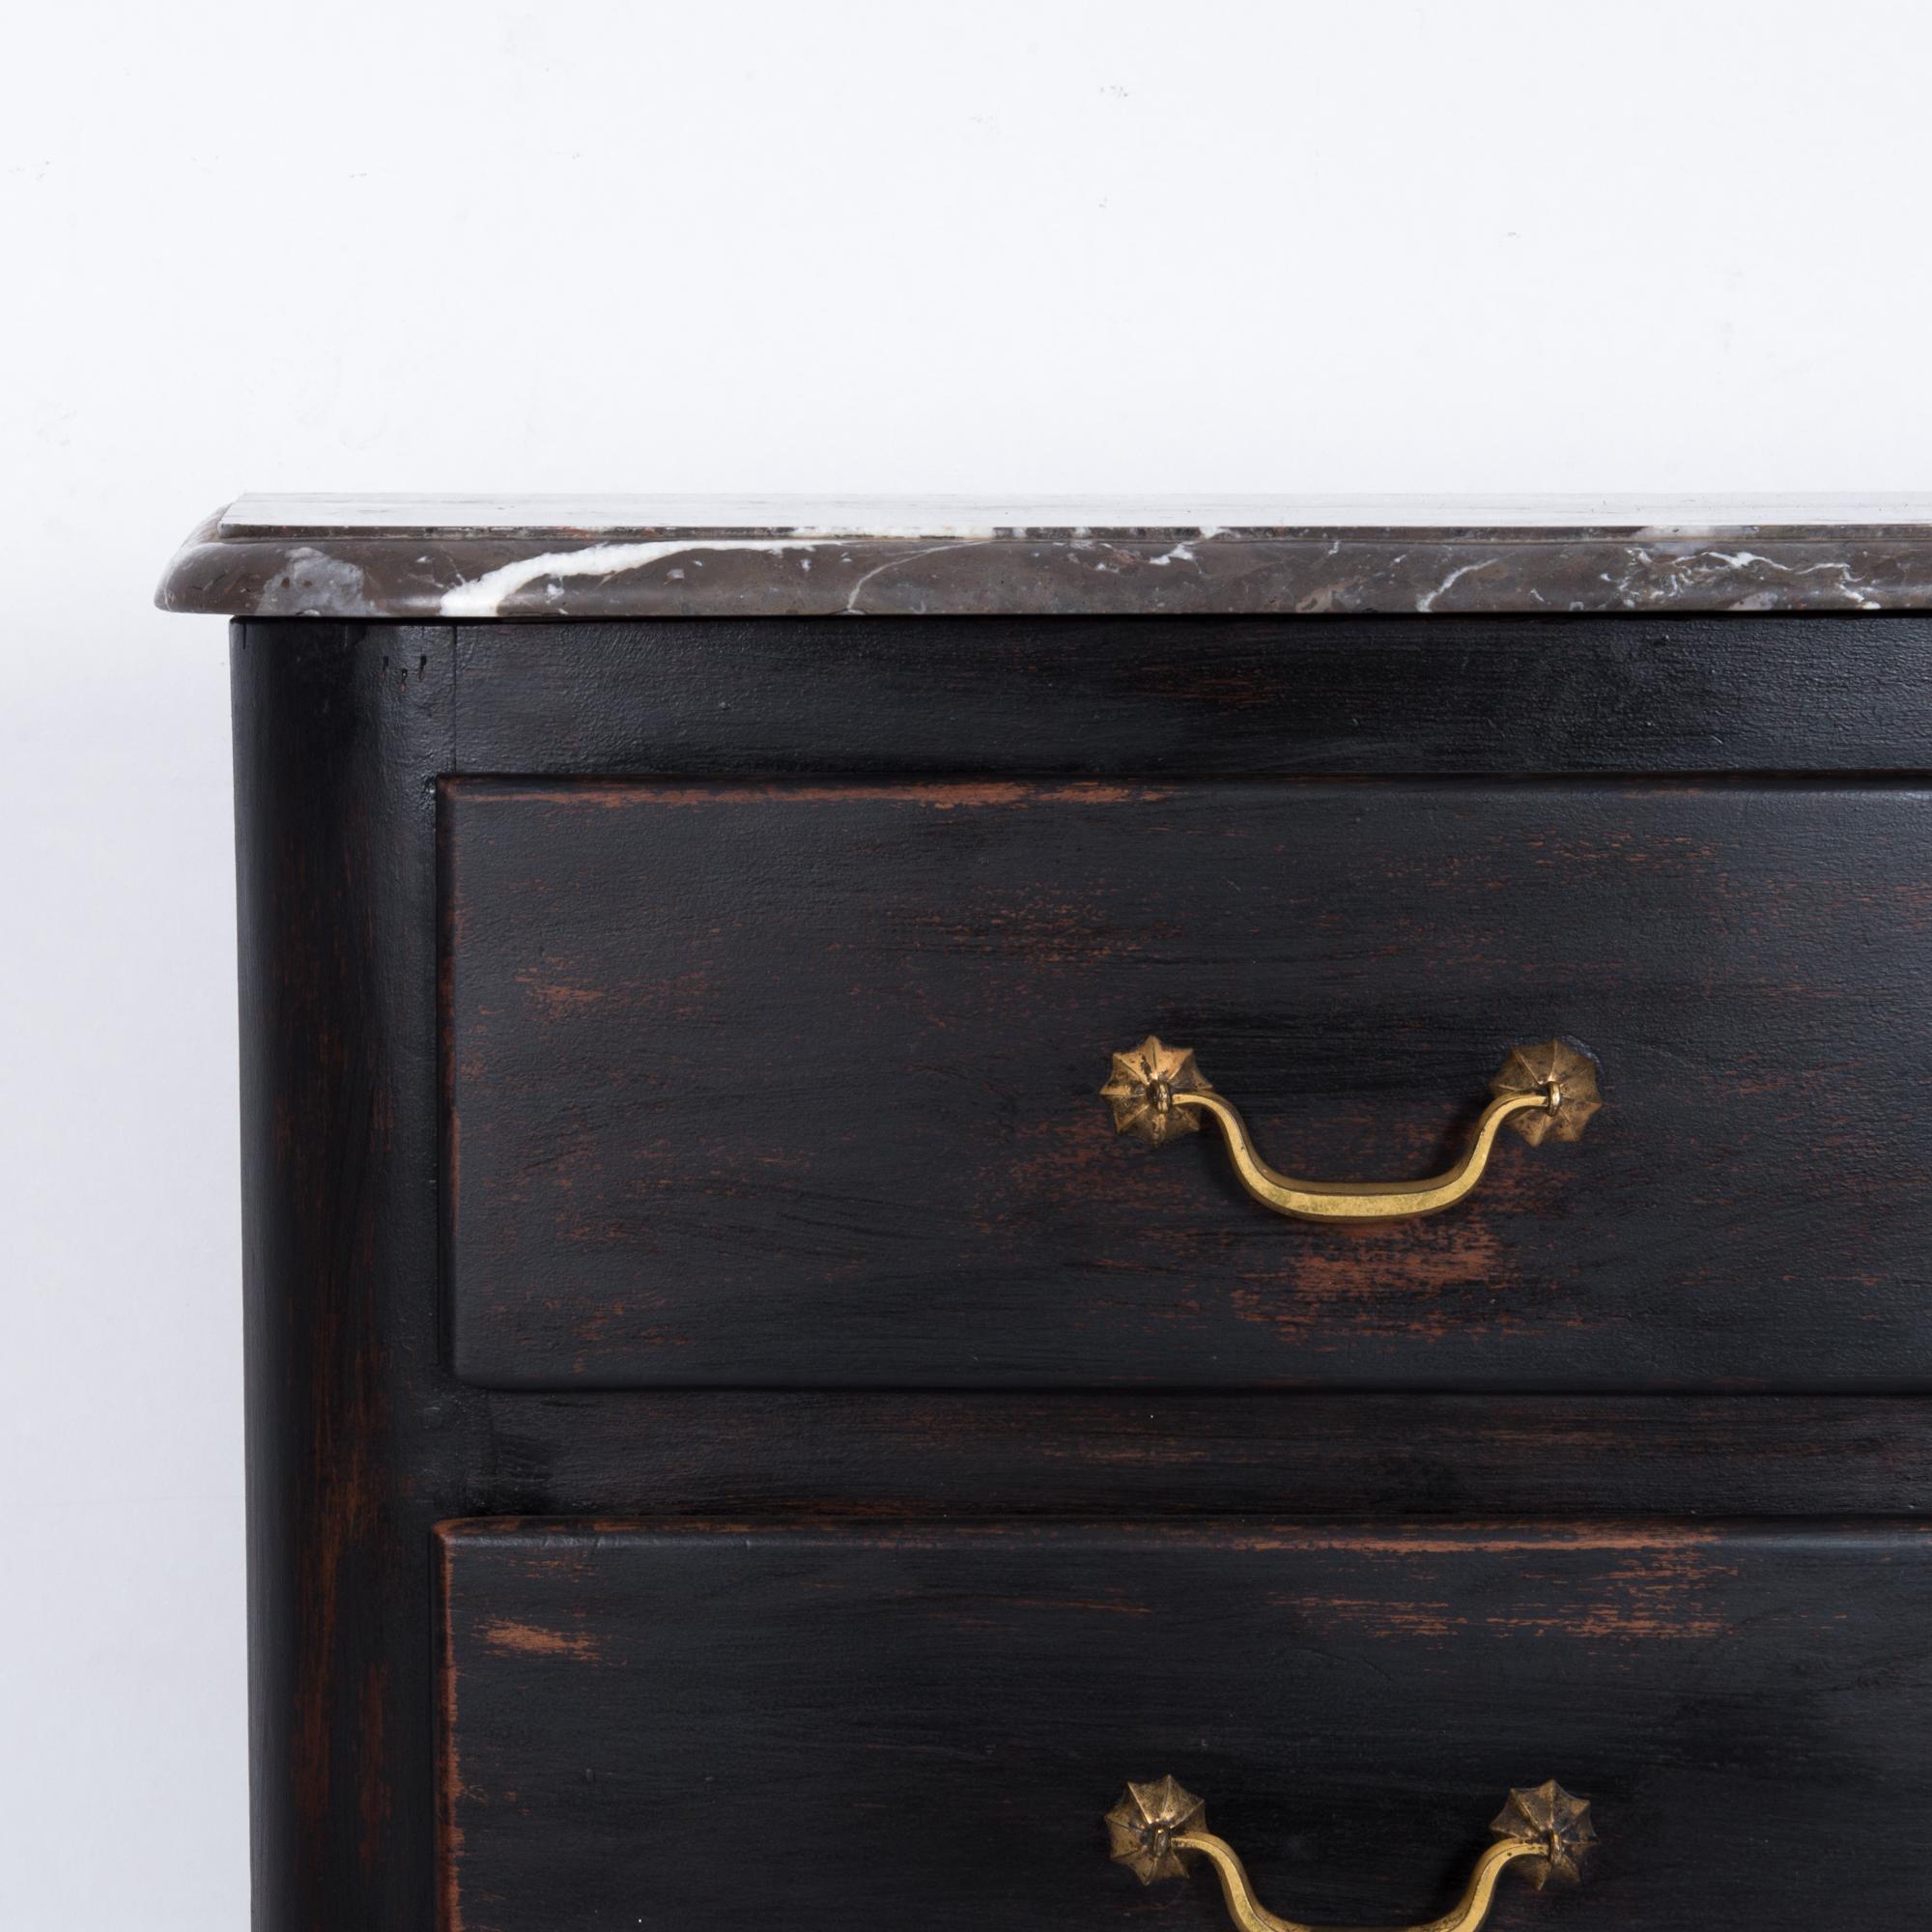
(833, 1728)
(795, 1083)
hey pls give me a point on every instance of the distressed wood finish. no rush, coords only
(1211, 697)
(869, 1454)
(794, 1084)
(354, 1448)
(905, 1727)
(361, 1435)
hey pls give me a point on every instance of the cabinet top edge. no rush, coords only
(483, 558)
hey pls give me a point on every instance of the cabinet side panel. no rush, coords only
(339, 730)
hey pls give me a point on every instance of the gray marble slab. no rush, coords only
(448, 557)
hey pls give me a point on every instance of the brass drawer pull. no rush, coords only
(1159, 1094)
(1156, 1831)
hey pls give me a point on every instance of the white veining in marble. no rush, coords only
(484, 557)
(483, 596)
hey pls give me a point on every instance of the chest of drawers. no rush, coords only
(787, 1372)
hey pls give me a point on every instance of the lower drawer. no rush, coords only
(700, 1728)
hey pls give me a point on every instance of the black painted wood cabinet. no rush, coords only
(734, 1430)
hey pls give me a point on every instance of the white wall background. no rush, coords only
(1055, 247)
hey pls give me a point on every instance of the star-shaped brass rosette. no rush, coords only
(1146, 1079)
(1548, 1816)
(1141, 1829)
(1553, 1065)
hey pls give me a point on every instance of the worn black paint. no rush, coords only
(1226, 697)
(795, 1083)
(1160, 1454)
(923, 1728)
(361, 1435)
(339, 732)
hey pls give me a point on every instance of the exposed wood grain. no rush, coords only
(923, 1727)
(794, 1084)
(1147, 697)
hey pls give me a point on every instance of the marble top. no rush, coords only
(481, 557)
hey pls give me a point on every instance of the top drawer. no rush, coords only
(795, 1083)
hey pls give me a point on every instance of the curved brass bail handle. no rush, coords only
(1158, 1830)
(1158, 1094)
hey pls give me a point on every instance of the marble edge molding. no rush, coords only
(525, 574)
